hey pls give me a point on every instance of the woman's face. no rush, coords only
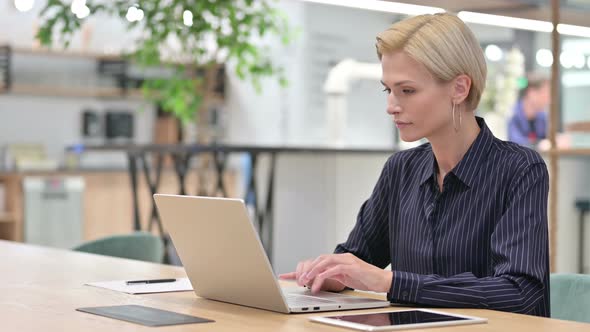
(420, 105)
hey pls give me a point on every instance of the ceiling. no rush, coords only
(572, 11)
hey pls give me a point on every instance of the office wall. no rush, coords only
(57, 121)
(317, 201)
(316, 197)
(297, 113)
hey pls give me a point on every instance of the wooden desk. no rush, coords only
(41, 288)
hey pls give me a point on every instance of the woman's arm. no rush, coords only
(367, 247)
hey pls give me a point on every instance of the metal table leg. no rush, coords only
(263, 214)
(268, 213)
(220, 162)
(181, 161)
(153, 183)
(583, 206)
(133, 177)
(202, 176)
(251, 196)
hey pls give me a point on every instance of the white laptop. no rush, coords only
(225, 261)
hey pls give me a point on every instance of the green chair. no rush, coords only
(140, 246)
(570, 297)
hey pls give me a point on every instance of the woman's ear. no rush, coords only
(461, 88)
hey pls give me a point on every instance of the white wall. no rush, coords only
(56, 121)
(272, 116)
(317, 197)
(317, 201)
(296, 114)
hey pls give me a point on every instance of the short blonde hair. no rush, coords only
(444, 45)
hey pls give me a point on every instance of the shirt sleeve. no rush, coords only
(369, 239)
(519, 248)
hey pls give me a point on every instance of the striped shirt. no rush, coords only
(480, 243)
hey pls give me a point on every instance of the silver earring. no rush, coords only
(460, 119)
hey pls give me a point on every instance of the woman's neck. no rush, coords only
(450, 147)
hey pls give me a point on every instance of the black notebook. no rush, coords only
(144, 315)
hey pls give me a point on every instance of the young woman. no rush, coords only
(462, 219)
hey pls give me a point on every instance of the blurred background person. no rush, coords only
(528, 124)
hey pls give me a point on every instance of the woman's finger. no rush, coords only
(298, 272)
(326, 263)
(334, 271)
(288, 276)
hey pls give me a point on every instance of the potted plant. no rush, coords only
(205, 33)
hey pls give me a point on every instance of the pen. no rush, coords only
(152, 281)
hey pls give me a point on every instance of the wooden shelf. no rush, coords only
(581, 126)
(6, 218)
(81, 92)
(66, 53)
(569, 152)
(83, 55)
(77, 91)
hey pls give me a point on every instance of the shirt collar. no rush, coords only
(467, 169)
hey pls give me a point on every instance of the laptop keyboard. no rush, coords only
(297, 300)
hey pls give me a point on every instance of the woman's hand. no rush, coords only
(336, 271)
(330, 285)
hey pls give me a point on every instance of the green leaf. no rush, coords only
(181, 91)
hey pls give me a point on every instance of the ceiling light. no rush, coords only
(544, 58)
(382, 6)
(494, 53)
(187, 18)
(466, 16)
(573, 30)
(24, 5)
(566, 59)
(139, 16)
(523, 24)
(79, 8)
(578, 60)
(130, 16)
(572, 59)
(506, 21)
(84, 12)
(77, 5)
(134, 14)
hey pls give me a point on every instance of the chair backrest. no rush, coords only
(570, 297)
(140, 246)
